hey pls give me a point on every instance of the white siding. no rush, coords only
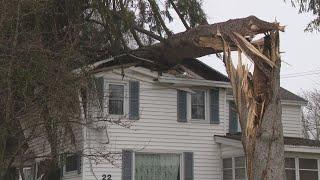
(231, 151)
(291, 120)
(157, 130)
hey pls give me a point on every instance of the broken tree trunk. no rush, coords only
(256, 94)
(258, 103)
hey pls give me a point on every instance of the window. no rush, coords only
(198, 105)
(227, 169)
(72, 163)
(240, 168)
(290, 168)
(234, 168)
(308, 169)
(27, 172)
(157, 166)
(116, 99)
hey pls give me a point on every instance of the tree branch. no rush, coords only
(155, 10)
(149, 33)
(180, 15)
(136, 37)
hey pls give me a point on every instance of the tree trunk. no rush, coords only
(258, 104)
(263, 139)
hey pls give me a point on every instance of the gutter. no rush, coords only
(287, 148)
(192, 82)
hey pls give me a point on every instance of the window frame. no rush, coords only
(206, 119)
(65, 165)
(233, 165)
(26, 168)
(125, 98)
(158, 152)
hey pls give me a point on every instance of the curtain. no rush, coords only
(157, 167)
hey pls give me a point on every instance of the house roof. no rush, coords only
(209, 73)
(204, 70)
(295, 141)
(194, 65)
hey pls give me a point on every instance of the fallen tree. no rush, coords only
(74, 30)
(256, 94)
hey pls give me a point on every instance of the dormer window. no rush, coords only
(116, 99)
(198, 104)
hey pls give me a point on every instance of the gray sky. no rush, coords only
(301, 48)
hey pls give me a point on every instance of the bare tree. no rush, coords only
(311, 114)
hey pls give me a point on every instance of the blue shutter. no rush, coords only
(127, 164)
(233, 120)
(188, 165)
(34, 171)
(62, 163)
(134, 88)
(79, 162)
(214, 106)
(99, 84)
(182, 106)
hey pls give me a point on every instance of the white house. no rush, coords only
(175, 125)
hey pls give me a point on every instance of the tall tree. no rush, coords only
(311, 114)
(42, 41)
(309, 6)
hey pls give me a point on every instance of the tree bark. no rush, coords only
(264, 139)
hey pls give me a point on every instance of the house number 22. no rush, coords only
(106, 177)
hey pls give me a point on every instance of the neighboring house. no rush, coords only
(183, 126)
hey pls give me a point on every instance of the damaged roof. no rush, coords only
(209, 73)
(194, 65)
(295, 141)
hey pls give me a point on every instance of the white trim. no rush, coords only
(228, 141)
(305, 149)
(193, 82)
(125, 98)
(287, 148)
(296, 161)
(94, 65)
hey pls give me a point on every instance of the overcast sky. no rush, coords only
(301, 49)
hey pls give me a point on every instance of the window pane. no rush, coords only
(240, 173)
(157, 167)
(308, 164)
(116, 91)
(227, 174)
(289, 163)
(197, 112)
(308, 175)
(240, 161)
(227, 163)
(198, 105)
(71, 163)
(27, 173)
(116, 99)
(291, 174)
